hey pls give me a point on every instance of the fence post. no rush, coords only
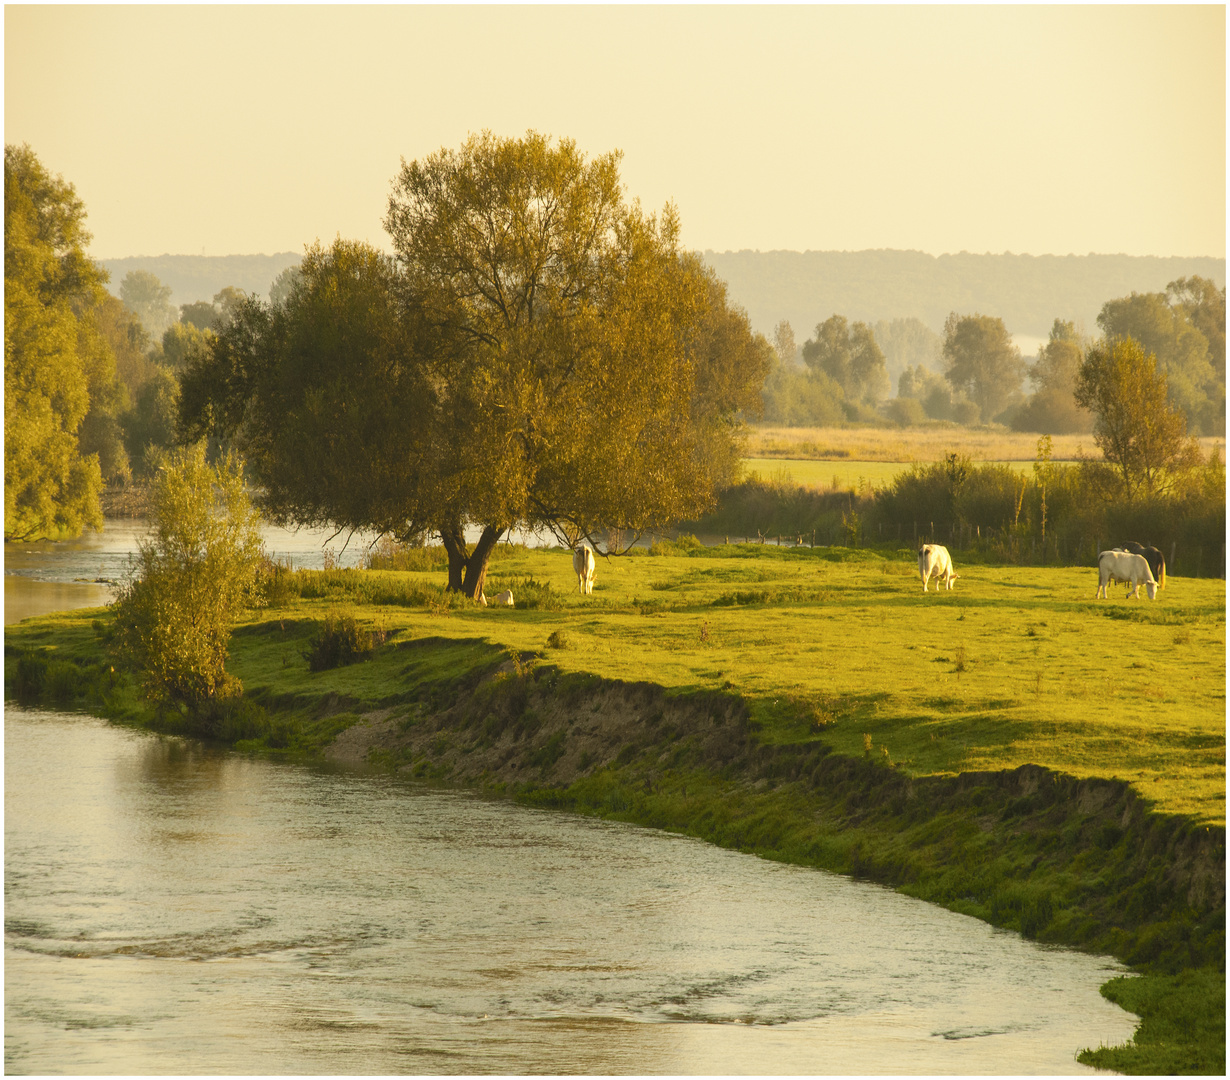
(1172, 547)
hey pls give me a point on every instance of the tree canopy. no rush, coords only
(850, 357)
(1185, 328)
(1052, 410)
(1142, 436)
(51, 353)
(981, 360)
(150, 300)
(537, 351)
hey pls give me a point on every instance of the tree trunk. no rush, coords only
(454, 540)
(476, 565)
(467, 571)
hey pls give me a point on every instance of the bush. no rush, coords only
(535, 595)
(30, 676)
(277, 583)
(390, 555)
(683, 544)
(61, 681)
(906, 412)
(339, 642)
(197, 571)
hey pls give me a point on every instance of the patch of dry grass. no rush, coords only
(917, 444)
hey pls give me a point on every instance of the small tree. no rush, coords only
(194, 574)
(1142, 437)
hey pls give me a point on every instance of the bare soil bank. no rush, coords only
(1077, 862)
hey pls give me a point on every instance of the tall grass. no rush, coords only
(929, 443)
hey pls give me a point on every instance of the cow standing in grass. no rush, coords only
(1152, 556)
(1128, 567)
(934, 560)
(584, 563)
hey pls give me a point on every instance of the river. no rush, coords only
(175, 908)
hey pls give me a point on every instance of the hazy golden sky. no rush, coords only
(259, 129)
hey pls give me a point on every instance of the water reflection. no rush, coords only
(174, 909)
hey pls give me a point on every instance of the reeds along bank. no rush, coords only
(1063, 515)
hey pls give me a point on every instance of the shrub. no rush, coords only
(30, 676)
(197, 571)
(390, 555)
(535, 595)
(558, 639)
(340, 641)
(683, 544)
(276, 583)
(906, 412)
(61, 681)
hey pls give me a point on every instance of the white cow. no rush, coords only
(584, 563)
(504, 599)
(1128, 567)
(933, 559)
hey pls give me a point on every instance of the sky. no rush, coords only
(244, 130)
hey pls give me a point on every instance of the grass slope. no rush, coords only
(1013, 748)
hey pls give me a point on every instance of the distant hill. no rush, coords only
(202, 277)
(1027, 291)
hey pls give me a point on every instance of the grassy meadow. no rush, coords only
(1013, 666)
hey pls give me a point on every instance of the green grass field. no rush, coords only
(1013, 666)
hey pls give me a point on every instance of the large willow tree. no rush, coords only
(537, 351)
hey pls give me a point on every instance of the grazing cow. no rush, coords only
(1152, 556)
(933, 559)
(584, 563)
(1125, 566)
(504, 599)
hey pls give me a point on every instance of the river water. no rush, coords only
(49, 575)
(175, 908)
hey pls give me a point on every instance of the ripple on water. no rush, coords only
(186, 910)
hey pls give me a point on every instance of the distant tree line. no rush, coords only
(974, 374)
(1027, 291)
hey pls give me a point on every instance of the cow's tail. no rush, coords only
(1161, 583)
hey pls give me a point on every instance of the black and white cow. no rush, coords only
(1157, 565)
